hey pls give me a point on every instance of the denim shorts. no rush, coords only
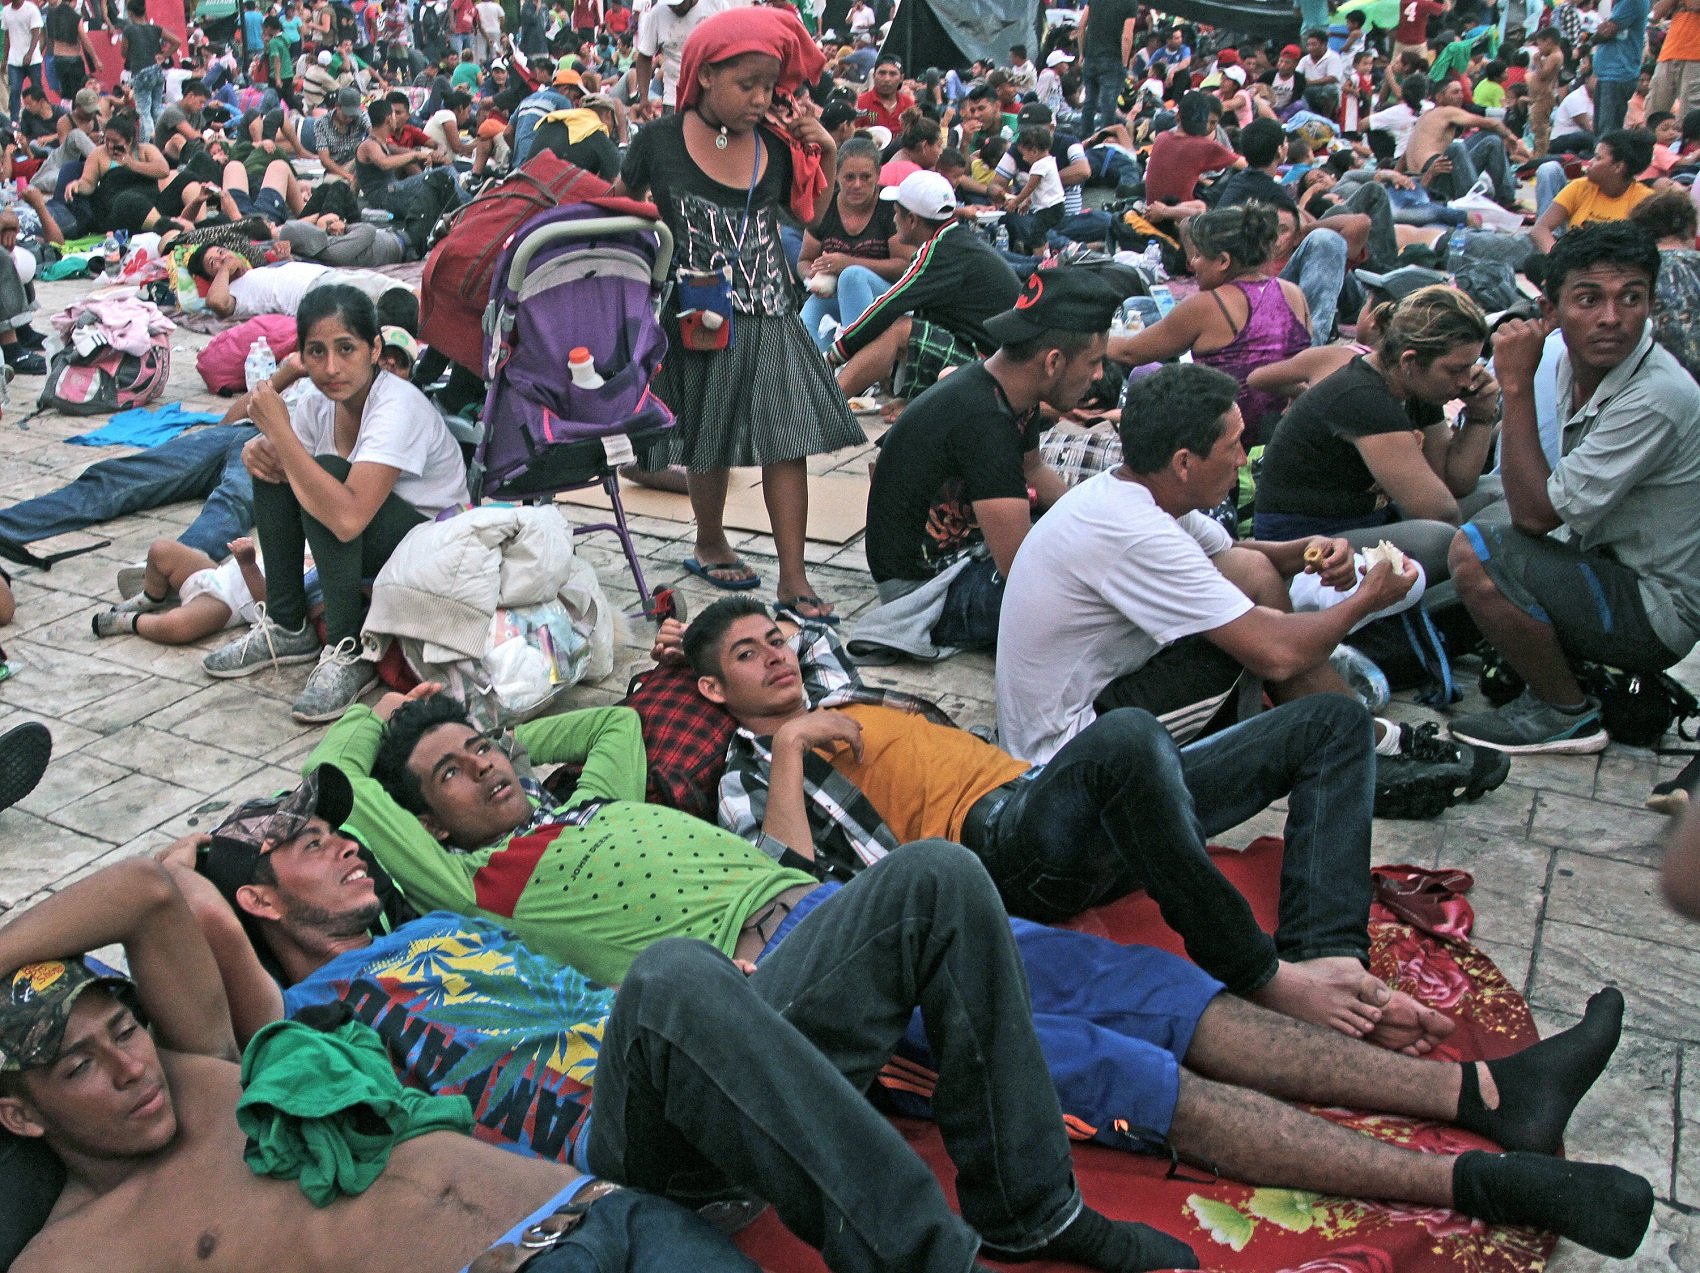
(268, 204)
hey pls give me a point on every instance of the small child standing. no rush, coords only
(211, 597)
(1041, 199)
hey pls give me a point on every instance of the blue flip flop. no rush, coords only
(752, 580)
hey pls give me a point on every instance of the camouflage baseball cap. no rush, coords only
(38, 1002)
(256, 827)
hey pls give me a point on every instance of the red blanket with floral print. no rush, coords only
(1420, 927)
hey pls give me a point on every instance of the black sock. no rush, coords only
(1540, 1086)
(1604, 1208)
(1119, 1246)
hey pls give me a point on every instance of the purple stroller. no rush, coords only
(580, 275)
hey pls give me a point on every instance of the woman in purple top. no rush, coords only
(1239, 320)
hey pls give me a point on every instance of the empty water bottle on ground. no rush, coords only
(113, 255)
(259, 364)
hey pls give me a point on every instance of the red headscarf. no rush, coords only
(778, 33)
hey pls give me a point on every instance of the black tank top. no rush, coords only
(872, 243)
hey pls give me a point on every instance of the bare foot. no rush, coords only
(1409, 1026)
(1336, 993)
(670, 479)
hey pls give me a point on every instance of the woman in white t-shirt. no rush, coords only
(345, 467)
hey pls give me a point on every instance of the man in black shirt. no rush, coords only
(1106, 39)
(952, 494)
(41, 125)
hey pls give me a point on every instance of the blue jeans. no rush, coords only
(1549, 180)
(1112, 167)
(1102, 79)
(640, 1233)
(971, 607)
(203, 464)
(1485, 152)
(1120, 808)
(148, 85)
(707, 1077)
(15, 79)
(858, 288)
(1611, 102)
(1319, 268)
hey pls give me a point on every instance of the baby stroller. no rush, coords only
(585, 275)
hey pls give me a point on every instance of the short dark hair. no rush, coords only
(1317, 33)
(197, 87)
(395, 97)
(1669, 214)
(1178, 407)
(38, 95)
(457, 99)
(379, 112)
(1035, 137)
(197, 262)
(1018, 48)
(396, 745)
(1260, 141)
(1622, 243)
(708, 629)
(1631, 147)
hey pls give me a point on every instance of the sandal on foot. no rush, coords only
(705, 571)
(793, 604)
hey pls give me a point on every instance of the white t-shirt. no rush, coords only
(1050, 191)
(1114, 579)
(489, 18)
(436, 128)
(1567, 118)
(1330, 66)
(1399, 120)
(399, 428)
(1072, 198)
(18, 23)
(274, 289)
(862, 19)
(661, 34)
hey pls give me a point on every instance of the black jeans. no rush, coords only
(286, 530)
(707, 1077)
(1120, 807)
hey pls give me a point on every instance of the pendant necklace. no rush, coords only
(721, 141)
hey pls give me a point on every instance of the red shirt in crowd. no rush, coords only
(1176, 162)
(1413, 20)
(875, 111)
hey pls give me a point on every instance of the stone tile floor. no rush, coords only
(147, 748)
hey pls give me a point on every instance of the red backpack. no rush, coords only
(456, 289)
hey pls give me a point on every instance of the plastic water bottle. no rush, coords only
(1001, 238)
(113, 254)
(259, 364)
(583, 370)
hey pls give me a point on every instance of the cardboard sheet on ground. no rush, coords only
(838, 504)
(1235, 1227)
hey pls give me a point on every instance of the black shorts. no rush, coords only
(1192, 687)
(1592, 601)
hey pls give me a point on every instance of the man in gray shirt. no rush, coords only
(1600, 557)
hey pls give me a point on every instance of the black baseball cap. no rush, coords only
(1064, 298)
(256, 827)
(1035, 113)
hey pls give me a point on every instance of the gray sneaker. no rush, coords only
(264, 645)
(1527, 725)
(341, 678)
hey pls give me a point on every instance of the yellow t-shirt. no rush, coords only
(922, 777)
(1587, 203)
(1490, 95)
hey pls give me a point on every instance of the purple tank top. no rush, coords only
(1272, 332)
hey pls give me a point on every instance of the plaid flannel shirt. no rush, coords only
(848, 831)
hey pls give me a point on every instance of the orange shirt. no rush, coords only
(922, 777)
(1587, 203)
(1682, 41)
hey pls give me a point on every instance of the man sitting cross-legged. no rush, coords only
(146, 1125)
(825, 768)
(610, 877)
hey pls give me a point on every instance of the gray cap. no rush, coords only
(348, 99)
(1400, 283)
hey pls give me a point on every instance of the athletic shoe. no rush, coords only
(1429, 775)
(24, 753)
(265, 644)
(1362, 676)
(26, 362)
(340, 679)
(1529, 725)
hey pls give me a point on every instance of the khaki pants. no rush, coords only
(1540, 121)
(1673, 83)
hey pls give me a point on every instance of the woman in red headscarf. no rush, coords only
(739, 150)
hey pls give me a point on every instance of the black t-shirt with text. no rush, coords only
(959, 442)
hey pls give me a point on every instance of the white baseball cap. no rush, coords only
(924, 193)
(1058, 57)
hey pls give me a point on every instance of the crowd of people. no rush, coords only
(1209, 362)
